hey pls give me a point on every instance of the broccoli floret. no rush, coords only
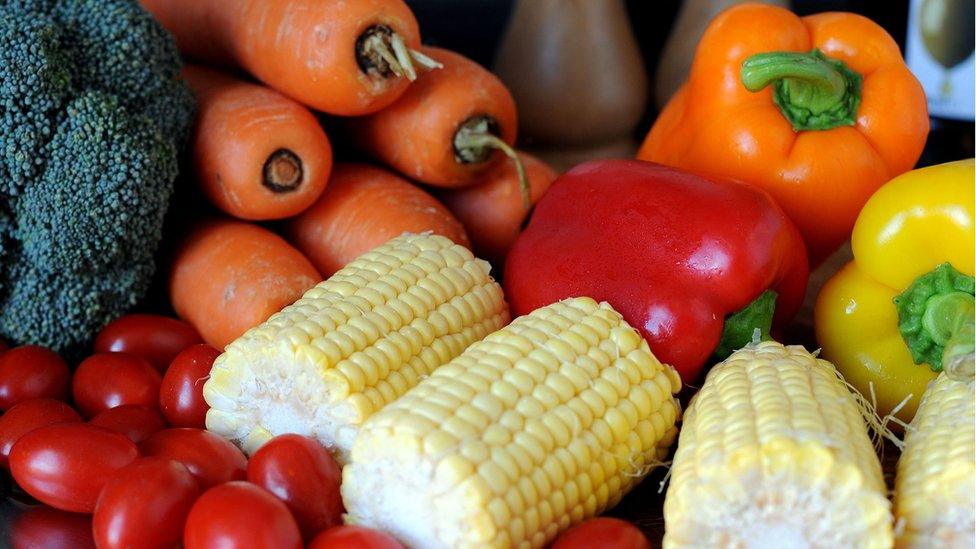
(92, 115)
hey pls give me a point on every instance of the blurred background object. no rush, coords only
(575, 70)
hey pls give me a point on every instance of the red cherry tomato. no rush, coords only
(240, 514)
(354, 537)
(66, 465)
(212, 460)
(31, 371)
(145, 505)
(302, 473)
(602, 533)
(29, 415)
(132, 420)
(43, 527)
(107, 380)
(153, 337)
(181, 394)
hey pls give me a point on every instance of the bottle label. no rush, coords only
(939, 51)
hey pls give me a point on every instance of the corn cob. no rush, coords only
(774, 452)
(539, 426)
(935, 489)
(353, 344)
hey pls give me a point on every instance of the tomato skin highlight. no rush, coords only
(602, 533)
(210, 458)
(66, 465)
(32, 371)
(108, 380)
(134, 421)
(302, 474)
(354, 537)
(43, 527)
(145, 505)
(181, 392)
(155, 338)
(29, 415)
(240, 514)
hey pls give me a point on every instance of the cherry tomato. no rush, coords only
(354, 537)
(132, 420)
(31, 371)
(302, 473)
(240, 514)
(41, 527)
(212, 460)
(181, 394)
(602, 533)
(66, 465)
(29, 415)
(145, 505)
(153, 337)
(106, 380)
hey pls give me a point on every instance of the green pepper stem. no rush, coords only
(812, 91)
(740, 327)
(949, 319)
(937, 319)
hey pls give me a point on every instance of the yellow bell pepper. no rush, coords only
(907, 297)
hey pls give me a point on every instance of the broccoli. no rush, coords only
(92, 115)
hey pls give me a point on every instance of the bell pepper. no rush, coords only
(696, 265)
(819, 111)
(907, 297)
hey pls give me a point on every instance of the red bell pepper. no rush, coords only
(694, 264)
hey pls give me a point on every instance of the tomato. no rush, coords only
(181, 394)
(31, 371)
(602, 533)
(66, 465)
(132, 420)
(302, 473)
(3, 346)
(29, 415)
(212, 459)
(354, 537)
(145, 505)
(153, 337)
(240, 514)
(106, 380)
(41, 527)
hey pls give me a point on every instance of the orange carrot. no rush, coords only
(257, 154)
(363, 207)
(447, 129)
(344, 57)
(230, 276)
(491, 210)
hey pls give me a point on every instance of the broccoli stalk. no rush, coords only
(92, 115)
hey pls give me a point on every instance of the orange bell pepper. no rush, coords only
(820, 111)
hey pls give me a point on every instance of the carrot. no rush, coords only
(230, 276)
(492, 211)
(344, 57)
(257, 154)
(363, 207)
(447, 129)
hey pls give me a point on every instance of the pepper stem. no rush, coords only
(937, 320)
(812, 91)
(740, 327)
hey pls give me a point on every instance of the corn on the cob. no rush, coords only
(774, 452)
(935, 489)
(354, 343)
(539, 426)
